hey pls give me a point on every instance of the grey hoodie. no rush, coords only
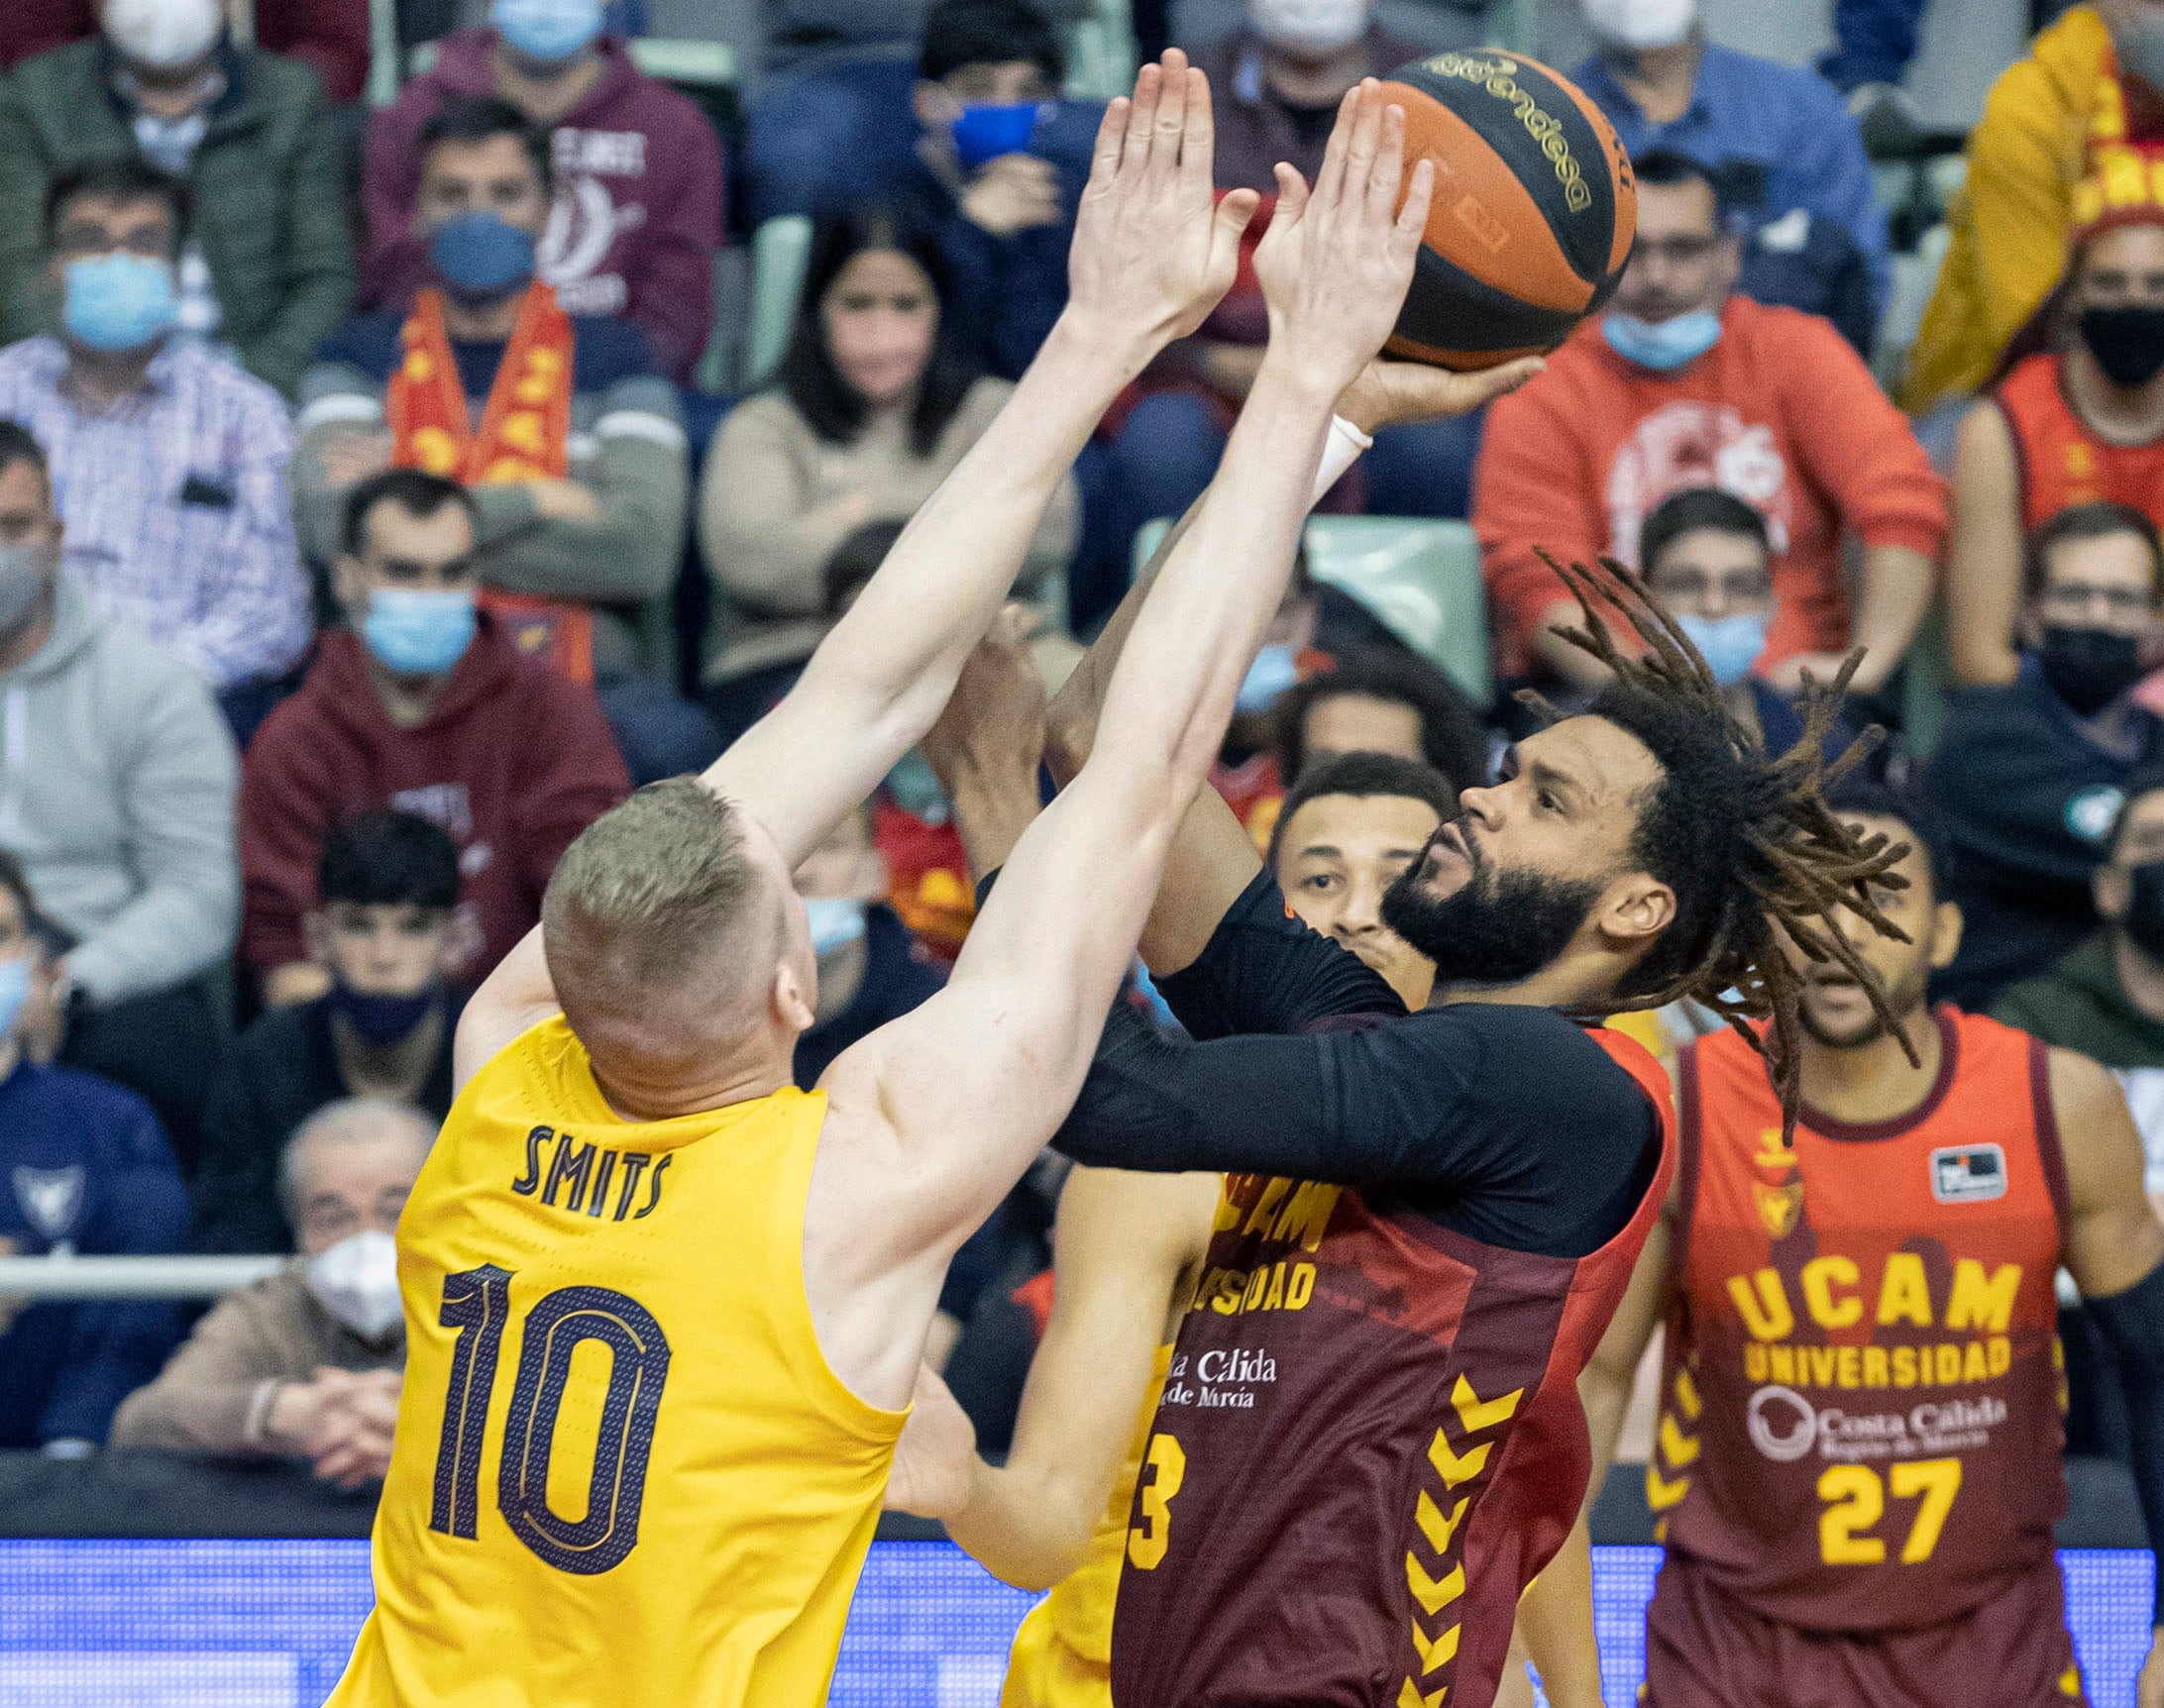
(117, 786)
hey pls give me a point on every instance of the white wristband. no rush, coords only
(1340, 451)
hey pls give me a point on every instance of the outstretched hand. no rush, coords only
(1155, 247)
(1391, 393)
(1337, 260)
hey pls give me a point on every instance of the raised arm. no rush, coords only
(956, 1098)
(1152, 256)
(1152, 253)
(1213, 858)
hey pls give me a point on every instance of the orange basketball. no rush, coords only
(1534, 212)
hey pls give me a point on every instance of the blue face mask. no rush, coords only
(547, 30)
(1662, 345)
(414, 633)
(119, 301)
(14, 991)
(836, 921)
(1275, 668)
(1729, 645)
(481, 257)
(987, 131)
(380, 1020)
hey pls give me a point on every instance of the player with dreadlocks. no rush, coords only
(1370, 1438)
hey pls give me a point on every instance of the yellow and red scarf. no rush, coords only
(524, 435)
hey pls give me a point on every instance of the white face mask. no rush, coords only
(1641, 22)
(357, 1281)
(162, 34)
(1309, 26)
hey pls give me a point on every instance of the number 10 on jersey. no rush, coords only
(478, 1303)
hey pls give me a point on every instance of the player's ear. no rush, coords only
(1634, 910)
(1947, 925)
(794, 1008)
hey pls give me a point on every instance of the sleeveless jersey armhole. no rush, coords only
(1689, 1142)
(2049, 1150)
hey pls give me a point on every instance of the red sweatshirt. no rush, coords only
(513, 761)
(1782, 413)
(331, 35)
(638, 199)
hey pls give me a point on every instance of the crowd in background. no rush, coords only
(383, 495)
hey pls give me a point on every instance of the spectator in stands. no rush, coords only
(330, 34)
(876, 401)
(871, 970)
(2031, 773)
(2105, 998)
(89, 1173)
(2085, 104)
(2066, 427)
(1349, 827)
(1778, 137)
(308, 1364)
(119, 777)
(579, 465)
(168, 463)
(1371, 700)
(1709, 557)
(1380, 702)
(1683, 384)
(990, 165)
(637, 216)
(1277, 83)
(422, 702)
(387, 943)
(267, 268)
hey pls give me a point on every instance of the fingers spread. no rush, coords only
(1365, 140)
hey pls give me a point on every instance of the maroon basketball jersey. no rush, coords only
(1369, 1443)
(1861, 1423)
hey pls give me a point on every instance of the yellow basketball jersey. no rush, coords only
(624, 1472)
(1062, 1654)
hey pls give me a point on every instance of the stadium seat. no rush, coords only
(1420, 578)
(780, 248)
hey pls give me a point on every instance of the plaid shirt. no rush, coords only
(175, 503)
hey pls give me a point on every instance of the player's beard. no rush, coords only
(1906, 997)
(1497, 928)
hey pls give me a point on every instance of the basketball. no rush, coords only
(1534, 208)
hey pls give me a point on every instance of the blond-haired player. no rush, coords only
(664, 1311)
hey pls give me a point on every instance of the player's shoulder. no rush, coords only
(1524, 1053)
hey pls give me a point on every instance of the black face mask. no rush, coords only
(2089, 668)
(1498, 928)
(2144, 921)
(2127, 343)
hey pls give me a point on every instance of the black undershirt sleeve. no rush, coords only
(2133, 1323)
(1266, 970)
(1507, 1123)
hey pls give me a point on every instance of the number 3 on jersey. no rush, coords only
(1855, 1500)
(1164, 1468)
(477, 1304)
